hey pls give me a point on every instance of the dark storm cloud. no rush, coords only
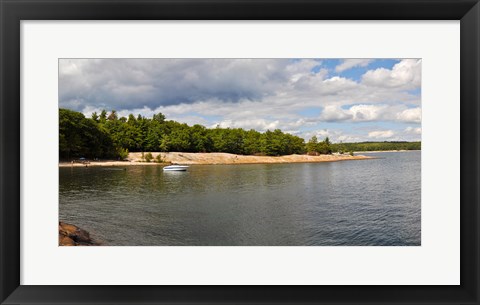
(136, 83)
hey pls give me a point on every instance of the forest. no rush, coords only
(106, 136)
(376, 146)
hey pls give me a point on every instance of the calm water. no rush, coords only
(354, 203)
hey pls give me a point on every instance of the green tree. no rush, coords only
(312, 145)
(122, 153)
(110, 137)
(159, 117)
(112, 116)
(180, 139)
(82, 137)
(269, 143)
(251, 142)
(103, 116)
(165, 143)
(325, 146)
(200, 139)
(153, 136)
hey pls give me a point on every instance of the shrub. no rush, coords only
(148, 157)
(159, 159)
(122, 153)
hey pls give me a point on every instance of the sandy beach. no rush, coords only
(215, 158)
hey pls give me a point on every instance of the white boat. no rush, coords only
(175, 168)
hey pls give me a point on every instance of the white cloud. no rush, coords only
(304, 66)
(413, 130)
(406, 75)
(412, 115)
(335, 136)
(369, 113)
(190, 120)
(257, 124)
(321, 134)
(337, 85)
(135, 84)
(308, 82)
(351, 63)
(381, 134)
(366, 133)
(248, 93)
(334, 113)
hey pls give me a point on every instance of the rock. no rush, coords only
(70, 235)
(66, 229)
(65, 241)
(81, 236)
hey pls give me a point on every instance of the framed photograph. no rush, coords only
(239, 152)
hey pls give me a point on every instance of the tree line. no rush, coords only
(106, 136)
(376, 146)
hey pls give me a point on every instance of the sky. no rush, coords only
(348, 100)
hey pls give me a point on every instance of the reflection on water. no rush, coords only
(368, 202)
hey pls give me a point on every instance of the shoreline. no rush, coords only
(385, 151)
(107, 163)
(216, 159)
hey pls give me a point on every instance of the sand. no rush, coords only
(216, 158)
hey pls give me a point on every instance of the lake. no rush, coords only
(374, 202)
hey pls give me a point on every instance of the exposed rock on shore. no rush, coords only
(70, 235)
(225, 158)
(218, 158)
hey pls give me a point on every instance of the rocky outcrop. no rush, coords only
(225, 158)
(70, 235)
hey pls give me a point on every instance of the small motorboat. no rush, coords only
(181, 168)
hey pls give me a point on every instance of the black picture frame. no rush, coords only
(13, 11)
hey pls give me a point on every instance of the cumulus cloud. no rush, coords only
(134, 83)
(406, 74)
(369, 113)
(333, 113)
(258, 124)
(137, 83)
(300, 68)
(347, 64)
(367, 133)
(334, 136)
(381, 134)
(248, 93)
(413, 130)
(337, 136)
(412, 115)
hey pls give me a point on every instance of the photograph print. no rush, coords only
(240, 152)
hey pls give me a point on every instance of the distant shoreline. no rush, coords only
(106, 163)
(215, 158)
(385, 151)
